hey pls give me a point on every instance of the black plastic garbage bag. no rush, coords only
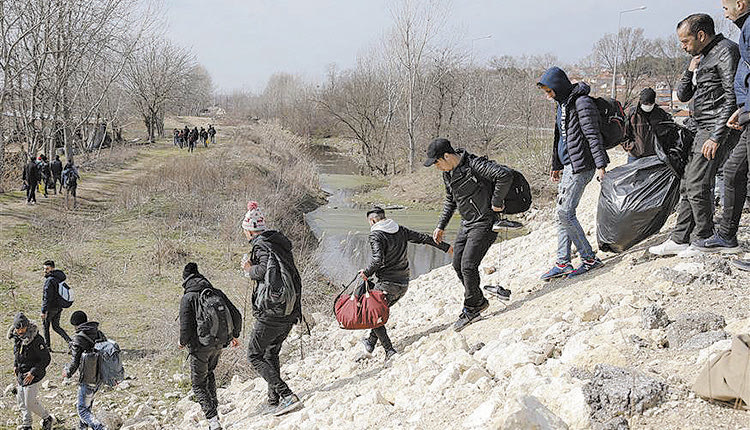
(635, 202)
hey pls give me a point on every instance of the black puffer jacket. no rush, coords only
(80, 344)
(31, 354)
(31, 173)
(267, 242)
(194, 285)
(474, 186)
(50, 295)
(714, 100)
(388, 242)
(56, 168)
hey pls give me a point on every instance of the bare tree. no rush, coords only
(631, 57)
(671, 62)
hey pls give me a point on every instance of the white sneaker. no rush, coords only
(669, 247)
(690, 251)
(213, 423)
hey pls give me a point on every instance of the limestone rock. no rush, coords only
(704, 340)
(675, 276)
(689, 324)
(10, 390)
(48, 384)
(653, 317)
(527, 412)
(481, 416)
(592, 308)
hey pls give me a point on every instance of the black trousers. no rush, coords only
(735, 186)
(31, 192)
(53, 317)
(469, 249)
(263, 353)
(203, 362)
(393, 292)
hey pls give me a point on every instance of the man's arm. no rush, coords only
(258, 271)
(43, 352)
(421, 238)
(46, 294)
(236, 317)
(588, 115)
(76, 351)
(500, 176)
(727, 68)
(187, 321)
(685, 88)
(377, 259)
(449, 207)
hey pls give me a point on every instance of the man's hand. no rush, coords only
(555, 175)
(246, 266)
(362, 275)
(498, 209)
(181, 346)
(450, 250)
(437, 235)
(709, 149)
(694, 63)
(44, 316)
(734, 120)
(235, 342)
(600, 174)
(28, 378)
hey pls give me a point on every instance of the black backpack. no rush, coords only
(518, 198)
(213, 319)
(276, 296)
(612, 121)
(70, 178)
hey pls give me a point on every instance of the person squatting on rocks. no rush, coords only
(476, 187)
(31, 358)
(51, 305)
(643, 126)
(271, 250)
(70, 179)
(390, 264)
(709, 81)
(578, 155)
(56, 168)
(736, 170)
(200, 296)
(87, 335)
(31, 178)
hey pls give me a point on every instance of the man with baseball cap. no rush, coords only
(477, 187)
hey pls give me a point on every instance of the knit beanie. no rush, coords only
(190, 269)
(78, 318)
(254, 219)
(648, 96)
(20, 321)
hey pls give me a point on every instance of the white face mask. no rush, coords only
(647, 108)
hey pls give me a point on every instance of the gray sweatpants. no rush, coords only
(29, 403)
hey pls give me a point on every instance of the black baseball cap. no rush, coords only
(437, 149)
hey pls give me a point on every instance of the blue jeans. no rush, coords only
(631, 158)
(85, 401)
(569, 230)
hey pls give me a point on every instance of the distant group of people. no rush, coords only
(187, 138)
(39, 173)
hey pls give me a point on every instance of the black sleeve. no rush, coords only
(556, 163)
(188, 329)
(47, 295)
(501, 178)
(685, 88)
(76, 350)
(258, 269)
(376, 261)
(236, 317)
(421, 238)
(727, 68)
(42, 353)
(588, 115)
(449, 207)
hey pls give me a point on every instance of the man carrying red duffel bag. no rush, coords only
(390, 265)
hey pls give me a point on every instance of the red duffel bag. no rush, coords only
(363, 309)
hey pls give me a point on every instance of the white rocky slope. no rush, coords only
(527, 366)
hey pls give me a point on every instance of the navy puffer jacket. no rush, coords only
(584, 140)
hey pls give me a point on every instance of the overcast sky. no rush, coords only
(243, 42)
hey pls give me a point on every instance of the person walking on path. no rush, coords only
(477, 187)
(643, 126)
(70, 179)
(31, 178)
(204, 354)
(578, 155)
(709, 81)
(46, 174)
(204, 137)
(212, 133)
(390, 264)
(51, 306)
(56, 168)
(193, 139)
(31, 358)
(87, 335)
(271, 250)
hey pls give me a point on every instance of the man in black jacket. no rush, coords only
(709, 82)
(86, 337)
(578, 155)
(55, 168)
(476, 187)
(203, 358)
(271, 249)
(390, 264)
(30, 366)
(31, 176)
(51, 306)
(643, 126)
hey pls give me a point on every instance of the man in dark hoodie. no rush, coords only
(272, 325)
(477, 187)
(643, 126)
(51, 306)
(577, 155)
(87, 335)
(204, 137)
(30, 366)
(55, 168)
(204, 358)
(389, 263)
(709, 82)
(193, 139)
(31, 176)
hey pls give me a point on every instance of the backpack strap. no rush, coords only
(87, 337)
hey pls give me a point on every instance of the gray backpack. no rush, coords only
(105, 359)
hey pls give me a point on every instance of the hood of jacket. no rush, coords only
(557, 80)
(579, 89)
(276, 240)
(31, 332)
(195, 283)
(57, 274)
(385, 225)
(89, 328)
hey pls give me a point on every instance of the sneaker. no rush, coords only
(214, 424)
(47, 423)
(288, 404)
(506, 224)
(716, 243)
(558, 271)
(669, 247)
(690, 251)
(742, 264)
(369, 346)
(266, 409)
(390, 353)
(469, 316)
(586, 266)
(498, 291)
